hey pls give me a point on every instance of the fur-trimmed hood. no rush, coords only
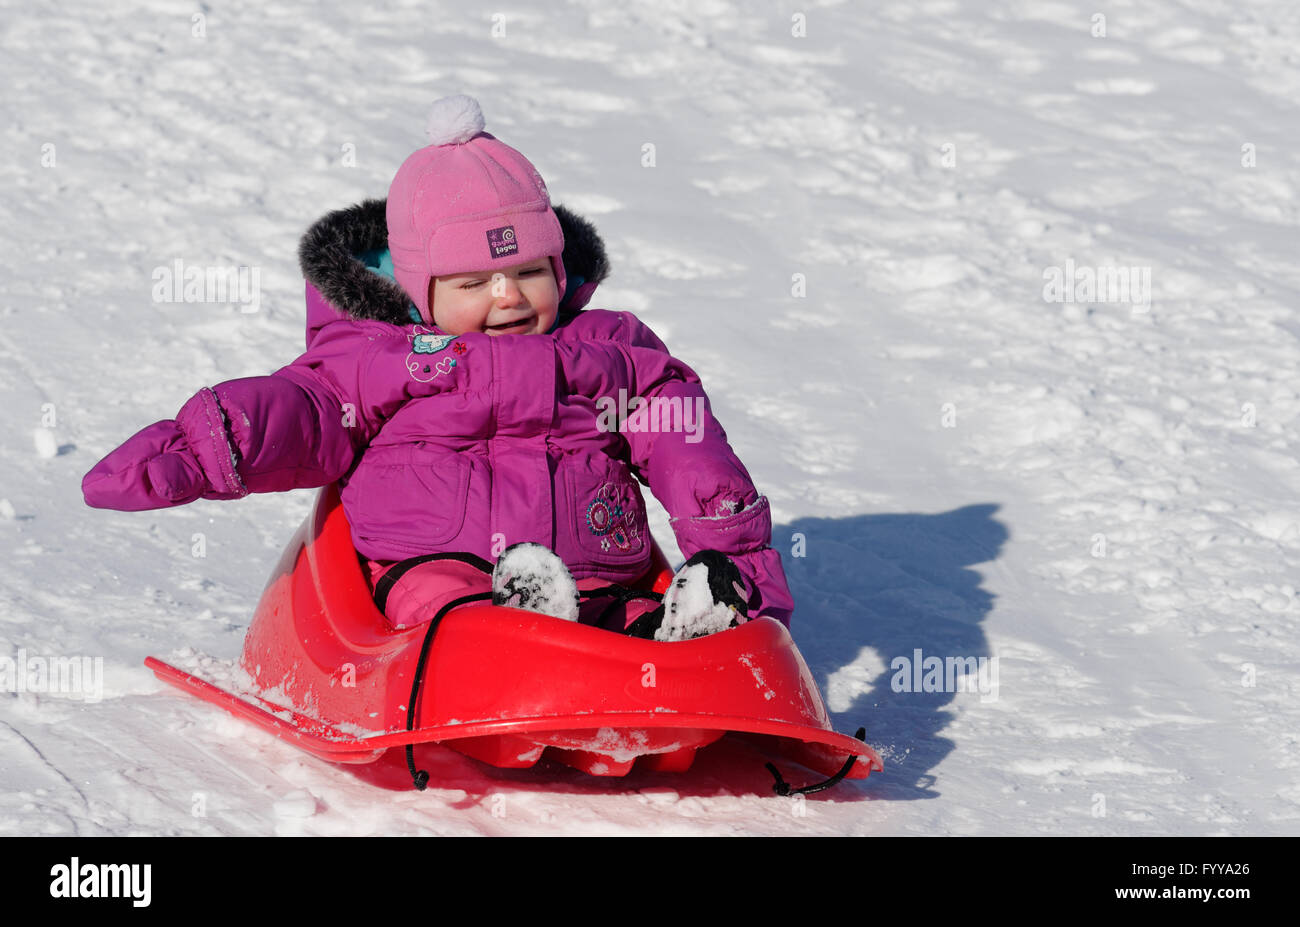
(336, 253)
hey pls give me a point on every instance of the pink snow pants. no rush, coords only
(424, 589)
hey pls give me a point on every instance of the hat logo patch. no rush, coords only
(501, 242)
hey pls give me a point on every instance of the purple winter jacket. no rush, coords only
(469, 442)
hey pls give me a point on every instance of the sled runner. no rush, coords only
(504, 685)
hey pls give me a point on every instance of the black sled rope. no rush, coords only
(421, 777)
(783, 788)
(385, 585)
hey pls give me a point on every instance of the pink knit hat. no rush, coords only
(467, 203)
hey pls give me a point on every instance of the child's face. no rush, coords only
(518, 300)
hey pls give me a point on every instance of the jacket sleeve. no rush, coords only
(682, 452)
(300, 427)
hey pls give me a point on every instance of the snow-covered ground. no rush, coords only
(1103, 494)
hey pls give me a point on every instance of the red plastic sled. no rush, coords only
(505, 685)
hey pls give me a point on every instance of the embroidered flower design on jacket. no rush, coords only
(611, 516)
(424, 367)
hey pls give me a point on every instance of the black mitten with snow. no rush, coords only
(707, 595)
(532, 577)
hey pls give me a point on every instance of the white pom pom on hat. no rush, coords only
(454, 120)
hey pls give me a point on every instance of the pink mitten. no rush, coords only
(169, 463)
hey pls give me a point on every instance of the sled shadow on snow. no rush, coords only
(875, 589)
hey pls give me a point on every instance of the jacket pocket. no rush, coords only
(608, 517)
(413, 496)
